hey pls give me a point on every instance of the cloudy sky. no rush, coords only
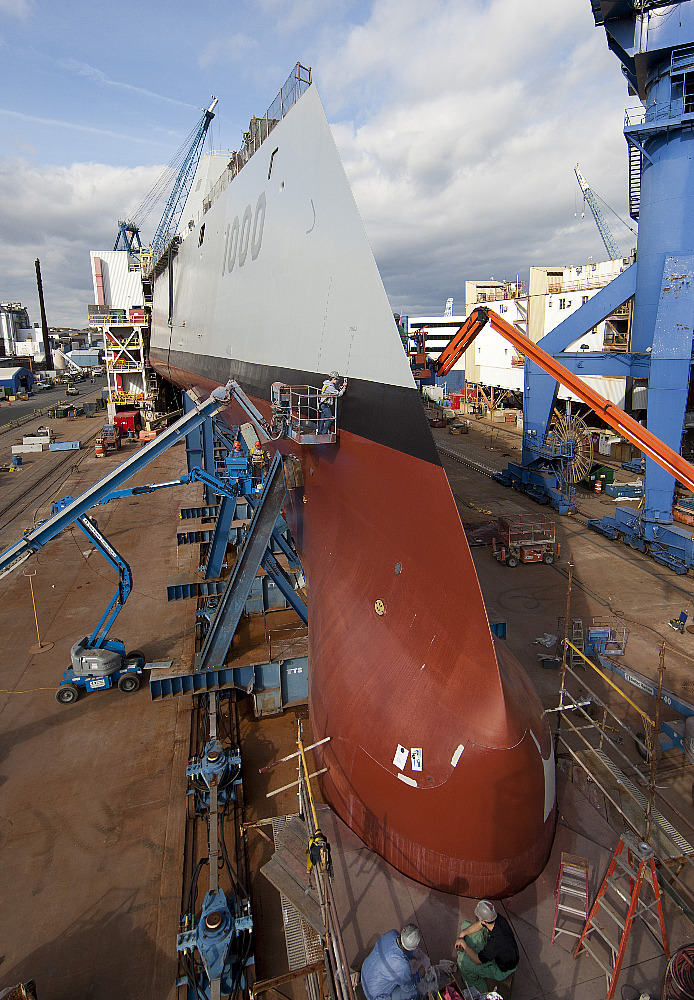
(459, 123)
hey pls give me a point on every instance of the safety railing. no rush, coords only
(320, 869)
(297, 83)
(593, 731)
(663, 111)
(307, 416)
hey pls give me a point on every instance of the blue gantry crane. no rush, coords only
(655, 47)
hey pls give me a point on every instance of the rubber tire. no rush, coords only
(512, 561)
(128, 683)
(639, 749)
(548, 558)
(66, 694)
(136, 653)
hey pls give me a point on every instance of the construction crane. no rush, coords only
(600, 220)
(186, 159)
(609, 412)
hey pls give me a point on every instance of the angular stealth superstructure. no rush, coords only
(439, 756)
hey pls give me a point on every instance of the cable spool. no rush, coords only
(679, 975)
(571, 429)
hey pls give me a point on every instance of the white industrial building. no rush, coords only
(18, 338)
(552, 294)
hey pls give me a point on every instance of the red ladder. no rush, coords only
(637, 866)
(571, 887)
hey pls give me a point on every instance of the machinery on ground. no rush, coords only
(107, 440)
(563, 453)
(527, 538)
(215, 944)
(98, 662)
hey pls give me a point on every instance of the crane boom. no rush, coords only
(600, 221)
(613, 416)
(174, 207)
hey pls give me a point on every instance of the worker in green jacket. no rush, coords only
(486, 949)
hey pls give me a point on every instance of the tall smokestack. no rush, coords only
(44, 324)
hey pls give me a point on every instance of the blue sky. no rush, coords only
(459, 123)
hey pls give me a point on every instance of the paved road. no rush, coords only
(48, 397)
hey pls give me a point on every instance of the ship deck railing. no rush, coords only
(305, 425)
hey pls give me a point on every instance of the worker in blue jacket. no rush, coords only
(386, 972)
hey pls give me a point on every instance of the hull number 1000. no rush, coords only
(244, 235)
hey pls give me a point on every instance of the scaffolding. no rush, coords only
(624, 764)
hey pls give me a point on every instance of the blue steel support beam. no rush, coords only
(194, 450)
(271, 565)
(223, 626)
(668, 386)
(207, 433)
(38, 537)
(540, 389)
(218, 545)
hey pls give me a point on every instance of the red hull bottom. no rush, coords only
(439, 757)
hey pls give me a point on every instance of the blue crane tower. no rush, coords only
(600, 221)
(186, 158)
(169, 221)
(654, 42)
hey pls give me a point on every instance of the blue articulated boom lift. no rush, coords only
(98, 662)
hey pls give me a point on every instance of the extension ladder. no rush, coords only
(635, 866)
(571, 894)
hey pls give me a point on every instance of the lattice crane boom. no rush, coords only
(174, 207)
(600, 221)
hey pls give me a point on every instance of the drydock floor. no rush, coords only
(92, 807)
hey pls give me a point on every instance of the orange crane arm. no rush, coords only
(461, 340)
(613, 416)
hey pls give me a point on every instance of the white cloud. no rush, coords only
(228, 49)
(92, 73)
(465, 122)
(459, 123)
(59, 215)
(291, 15)
(74, 126)
(16, 8)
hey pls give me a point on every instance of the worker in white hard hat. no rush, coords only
(486, 949)
(328, 395)
(386, 972)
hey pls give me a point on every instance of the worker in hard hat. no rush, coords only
(257, 461)
(328, 395)
(486, 949)
(386, 972)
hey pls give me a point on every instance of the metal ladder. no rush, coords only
(577, 640)
(572, 886)
(633, 863)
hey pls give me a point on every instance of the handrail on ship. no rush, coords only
(296, 84)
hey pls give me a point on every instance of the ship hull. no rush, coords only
(439, 757)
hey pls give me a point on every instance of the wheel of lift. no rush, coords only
(639, 749)
(136, 654)
(128, 683)
(66, 694)
(512, 561)
(548, 558)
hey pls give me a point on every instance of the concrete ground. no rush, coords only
(93, 795)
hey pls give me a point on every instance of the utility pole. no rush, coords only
(44, 324)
